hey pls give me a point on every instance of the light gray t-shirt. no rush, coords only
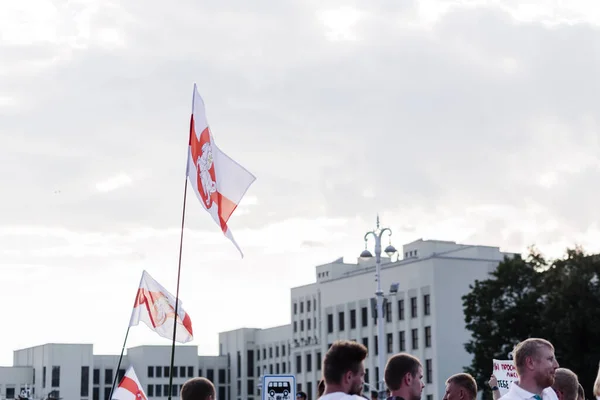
(341, 396)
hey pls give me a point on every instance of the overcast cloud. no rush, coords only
(474, 121)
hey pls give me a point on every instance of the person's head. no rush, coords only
(344, 367)
(320, 388)
(580, 393)
(461, 387)
(535, 362)
(404, 376)
(198, 389)
(301, 396)
(374, 395)
(565, 384)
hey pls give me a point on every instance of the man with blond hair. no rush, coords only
(566, 384)
(461, 387)
(536, 366)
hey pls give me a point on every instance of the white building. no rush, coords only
(72, 371)
(423, 317)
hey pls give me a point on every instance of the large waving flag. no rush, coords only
(129, 388)
(219, 182)
(155, 307)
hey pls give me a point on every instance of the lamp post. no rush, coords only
(390, 250)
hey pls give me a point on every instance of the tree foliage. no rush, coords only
(558, 301)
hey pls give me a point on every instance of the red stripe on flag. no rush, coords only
(129, 384)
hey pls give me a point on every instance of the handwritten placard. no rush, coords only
(505, 373)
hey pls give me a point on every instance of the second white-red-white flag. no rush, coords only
(155, 307)
(129, 388)
(218, 181)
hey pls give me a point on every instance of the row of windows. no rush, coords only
(414, 341)
(309, 362)
(276, 370)
(308, 306)
(264, 351)
(387, 311)
(178, 372)
(308, 325)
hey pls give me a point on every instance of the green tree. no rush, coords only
(531, 298)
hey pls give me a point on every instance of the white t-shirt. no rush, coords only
(516, 392)
(341, 396)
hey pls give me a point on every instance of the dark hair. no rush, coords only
(342, 356)
(302, 394)
(397, 367)
(321, 388)
(465, 381)
(374, 393)
(197, 389)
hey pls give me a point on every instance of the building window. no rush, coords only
(428, 371)
(10, 393)
(150, 372)
(301, 325)
(308, 324)
(167, 372)
(44, 377)
(107, 393)
(318, 361)
(364, 316)
(329, 323)
(121, 375)
(191, 371)
(159, 372)
(210, 375)
(366, 375)
(277, 368)
(283, 350)
(265, 353)
(415, 339)
(295, 308)
(295, 330)
(283, 368)
(301, 307)
(85, 381)
(400, 310)
(426, 304)
(365, 342)
(175, 373)
(402, 341)
(250, 362)
(427, 336)
(56, 377)
(222, 375)
(390, 343)
(298, 364)
(199, 372)
(309, 362)
(376, 345)
(96, 380)
(182, 372)
(271, 352)
(307, 305)
(96, 393)
(158, 390)
(150, 390)
(341, 320)
(352, 319)
(413, 307)
(249, 388)
(388, 311)
(276, 351)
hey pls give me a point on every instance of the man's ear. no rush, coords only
(408, 378)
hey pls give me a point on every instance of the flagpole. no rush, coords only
(119, 364)
(112, 389)
(185, 186)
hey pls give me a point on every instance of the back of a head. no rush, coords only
(580, 393)
(301, 395)
(566, 382)
(198, 389)
(528, 348)
(374, 394)
(342, 356)
(465, 381)
(397, 367)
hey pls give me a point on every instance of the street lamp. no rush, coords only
(390, 250)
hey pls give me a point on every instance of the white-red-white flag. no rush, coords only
(129, 388)
(155, 307)
(219, 182)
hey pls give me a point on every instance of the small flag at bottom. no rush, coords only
(129, 388)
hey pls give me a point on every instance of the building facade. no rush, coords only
(72, 371)
(423, 315)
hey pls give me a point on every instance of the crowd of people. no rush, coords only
(539, 377)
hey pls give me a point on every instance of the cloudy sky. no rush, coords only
(467, 120)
